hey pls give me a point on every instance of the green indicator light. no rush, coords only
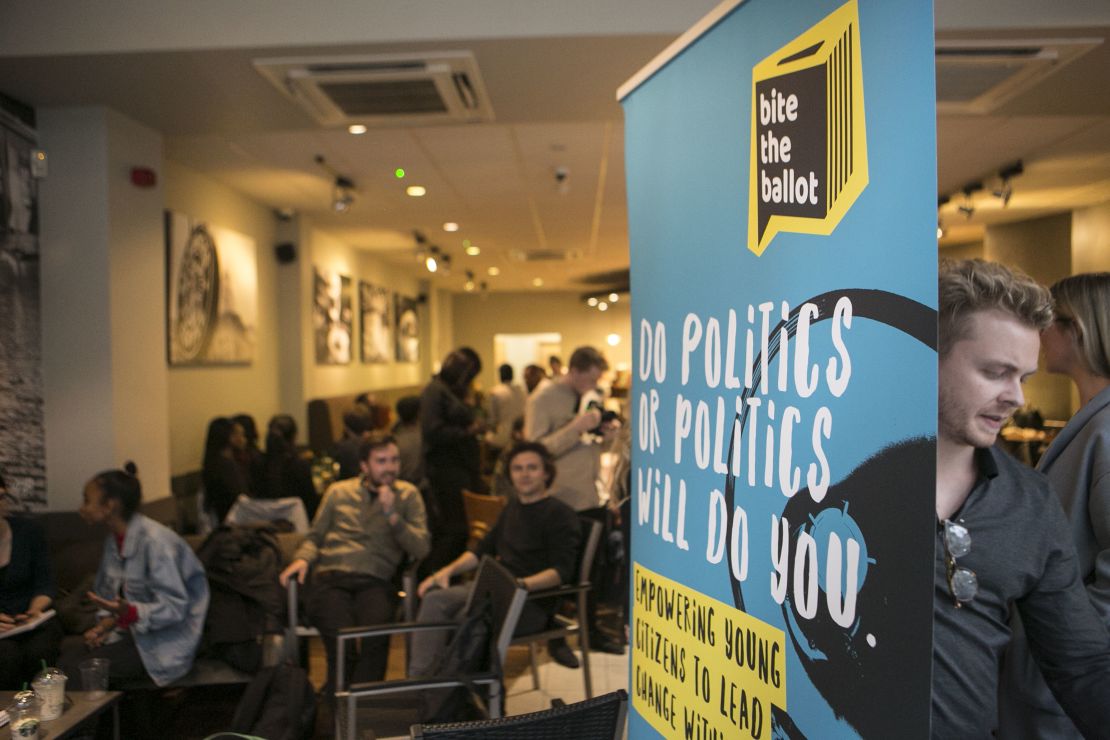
(398, 173)
(466, 242)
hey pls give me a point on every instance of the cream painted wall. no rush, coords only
(197, 394)
(962, 251)
(326, 253)
(478, 318)
(104, 381)
(1042, 248)
(1090, 239)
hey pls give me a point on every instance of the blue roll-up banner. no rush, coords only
(781, 164)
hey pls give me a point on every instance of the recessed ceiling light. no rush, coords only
(357, 129)
(538, 282)
(473, 250)
(602, 306)
(613, 339)
(450, 226)
(591, 301)
(469, 286)
(431, 263)
(613, 297)
(416, 191)
(493, 271)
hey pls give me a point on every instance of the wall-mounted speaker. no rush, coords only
(285, 252)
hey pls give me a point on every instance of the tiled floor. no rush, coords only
(609, 673)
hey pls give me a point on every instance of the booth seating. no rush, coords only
(325, 415)
(75, 550)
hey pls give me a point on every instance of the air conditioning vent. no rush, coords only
(979, 76)
(393, 90)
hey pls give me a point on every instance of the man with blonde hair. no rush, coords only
(1002, 540)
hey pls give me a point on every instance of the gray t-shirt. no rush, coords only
(1023, 556)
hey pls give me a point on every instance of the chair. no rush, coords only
(493, 585)
(481, 514)
(601, 718)
(563, 626)
(295, 631)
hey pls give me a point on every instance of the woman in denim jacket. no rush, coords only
(151, 588)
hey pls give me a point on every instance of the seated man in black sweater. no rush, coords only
(535, 538)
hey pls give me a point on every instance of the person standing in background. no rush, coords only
(451, 452)
(556, 417)
(506, 405)
(407, 433)
(1077, 464)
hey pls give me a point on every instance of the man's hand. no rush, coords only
(387, 498)
(298, 568)
(439, 579)
(6, 622)
(587, 421)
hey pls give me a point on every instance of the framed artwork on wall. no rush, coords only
(408, 329)
(377, 322)
(22, 430)
(332, 317)
(211, 293)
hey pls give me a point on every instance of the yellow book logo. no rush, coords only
(809, 141)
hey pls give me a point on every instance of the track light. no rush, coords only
(432, 260)
(1005, 189)
(343, 188)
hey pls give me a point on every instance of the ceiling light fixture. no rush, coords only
(1005, 189)
(343, 188)
(602, 306)
(357, 129)
(613, 339)
(591, 301)
(469, 285)
(416, 191)
(432, 260)
(493, 271)
(537, 282)
(613, 297)
(450, 226)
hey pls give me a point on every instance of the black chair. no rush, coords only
(564, 626)
(296, 630)
(601, 718)
(405, 700)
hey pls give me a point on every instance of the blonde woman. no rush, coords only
(1077, 463)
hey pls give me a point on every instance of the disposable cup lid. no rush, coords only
(50, 675)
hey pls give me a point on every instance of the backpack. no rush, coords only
(279, 704)
(468, 652)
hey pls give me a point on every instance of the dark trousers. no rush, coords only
(337, 600)
(449, 526)
(21, 655)
(124, 663)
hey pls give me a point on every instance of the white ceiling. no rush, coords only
(555, 107)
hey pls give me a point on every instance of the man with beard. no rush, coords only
(362, 532)
(1002, 540)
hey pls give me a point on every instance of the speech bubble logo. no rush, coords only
(809, 140)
